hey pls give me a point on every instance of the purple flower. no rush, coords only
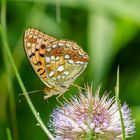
(92, 117)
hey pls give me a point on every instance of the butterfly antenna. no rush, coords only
(75, 85)
(35, 91)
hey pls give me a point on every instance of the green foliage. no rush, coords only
(107, 30)
(119, 104)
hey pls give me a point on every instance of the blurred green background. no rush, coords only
(109, 31)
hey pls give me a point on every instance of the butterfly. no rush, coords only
(57, 62)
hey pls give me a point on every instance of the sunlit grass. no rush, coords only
(119, 104)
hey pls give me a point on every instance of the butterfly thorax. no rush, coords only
(54, 91)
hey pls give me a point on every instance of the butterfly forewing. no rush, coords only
(35, 43)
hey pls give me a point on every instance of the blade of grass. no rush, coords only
(8, 77)
(58, 11)
(35, 113)
(101, 36)
(5, 45)
(119, 105)
(9, 137)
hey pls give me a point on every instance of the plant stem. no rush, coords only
(9, 137)
(119, 105)
(35, 113)
(7, 50)
(9, 76)
(58, 11)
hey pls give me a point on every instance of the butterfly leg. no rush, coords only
(49, 92)
(47, 96)
(79, 87)
(59, 96)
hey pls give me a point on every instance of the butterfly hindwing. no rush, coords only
(65, 61)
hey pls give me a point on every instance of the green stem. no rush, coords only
(35, 113)
(9, 76)
(119, 105)
(9, 137)
(58, 11)
(7, 50)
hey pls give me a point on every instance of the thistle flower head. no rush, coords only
(92, 117)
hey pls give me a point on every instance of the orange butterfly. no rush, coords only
(57, 62)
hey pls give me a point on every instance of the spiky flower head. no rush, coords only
(91, 117)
